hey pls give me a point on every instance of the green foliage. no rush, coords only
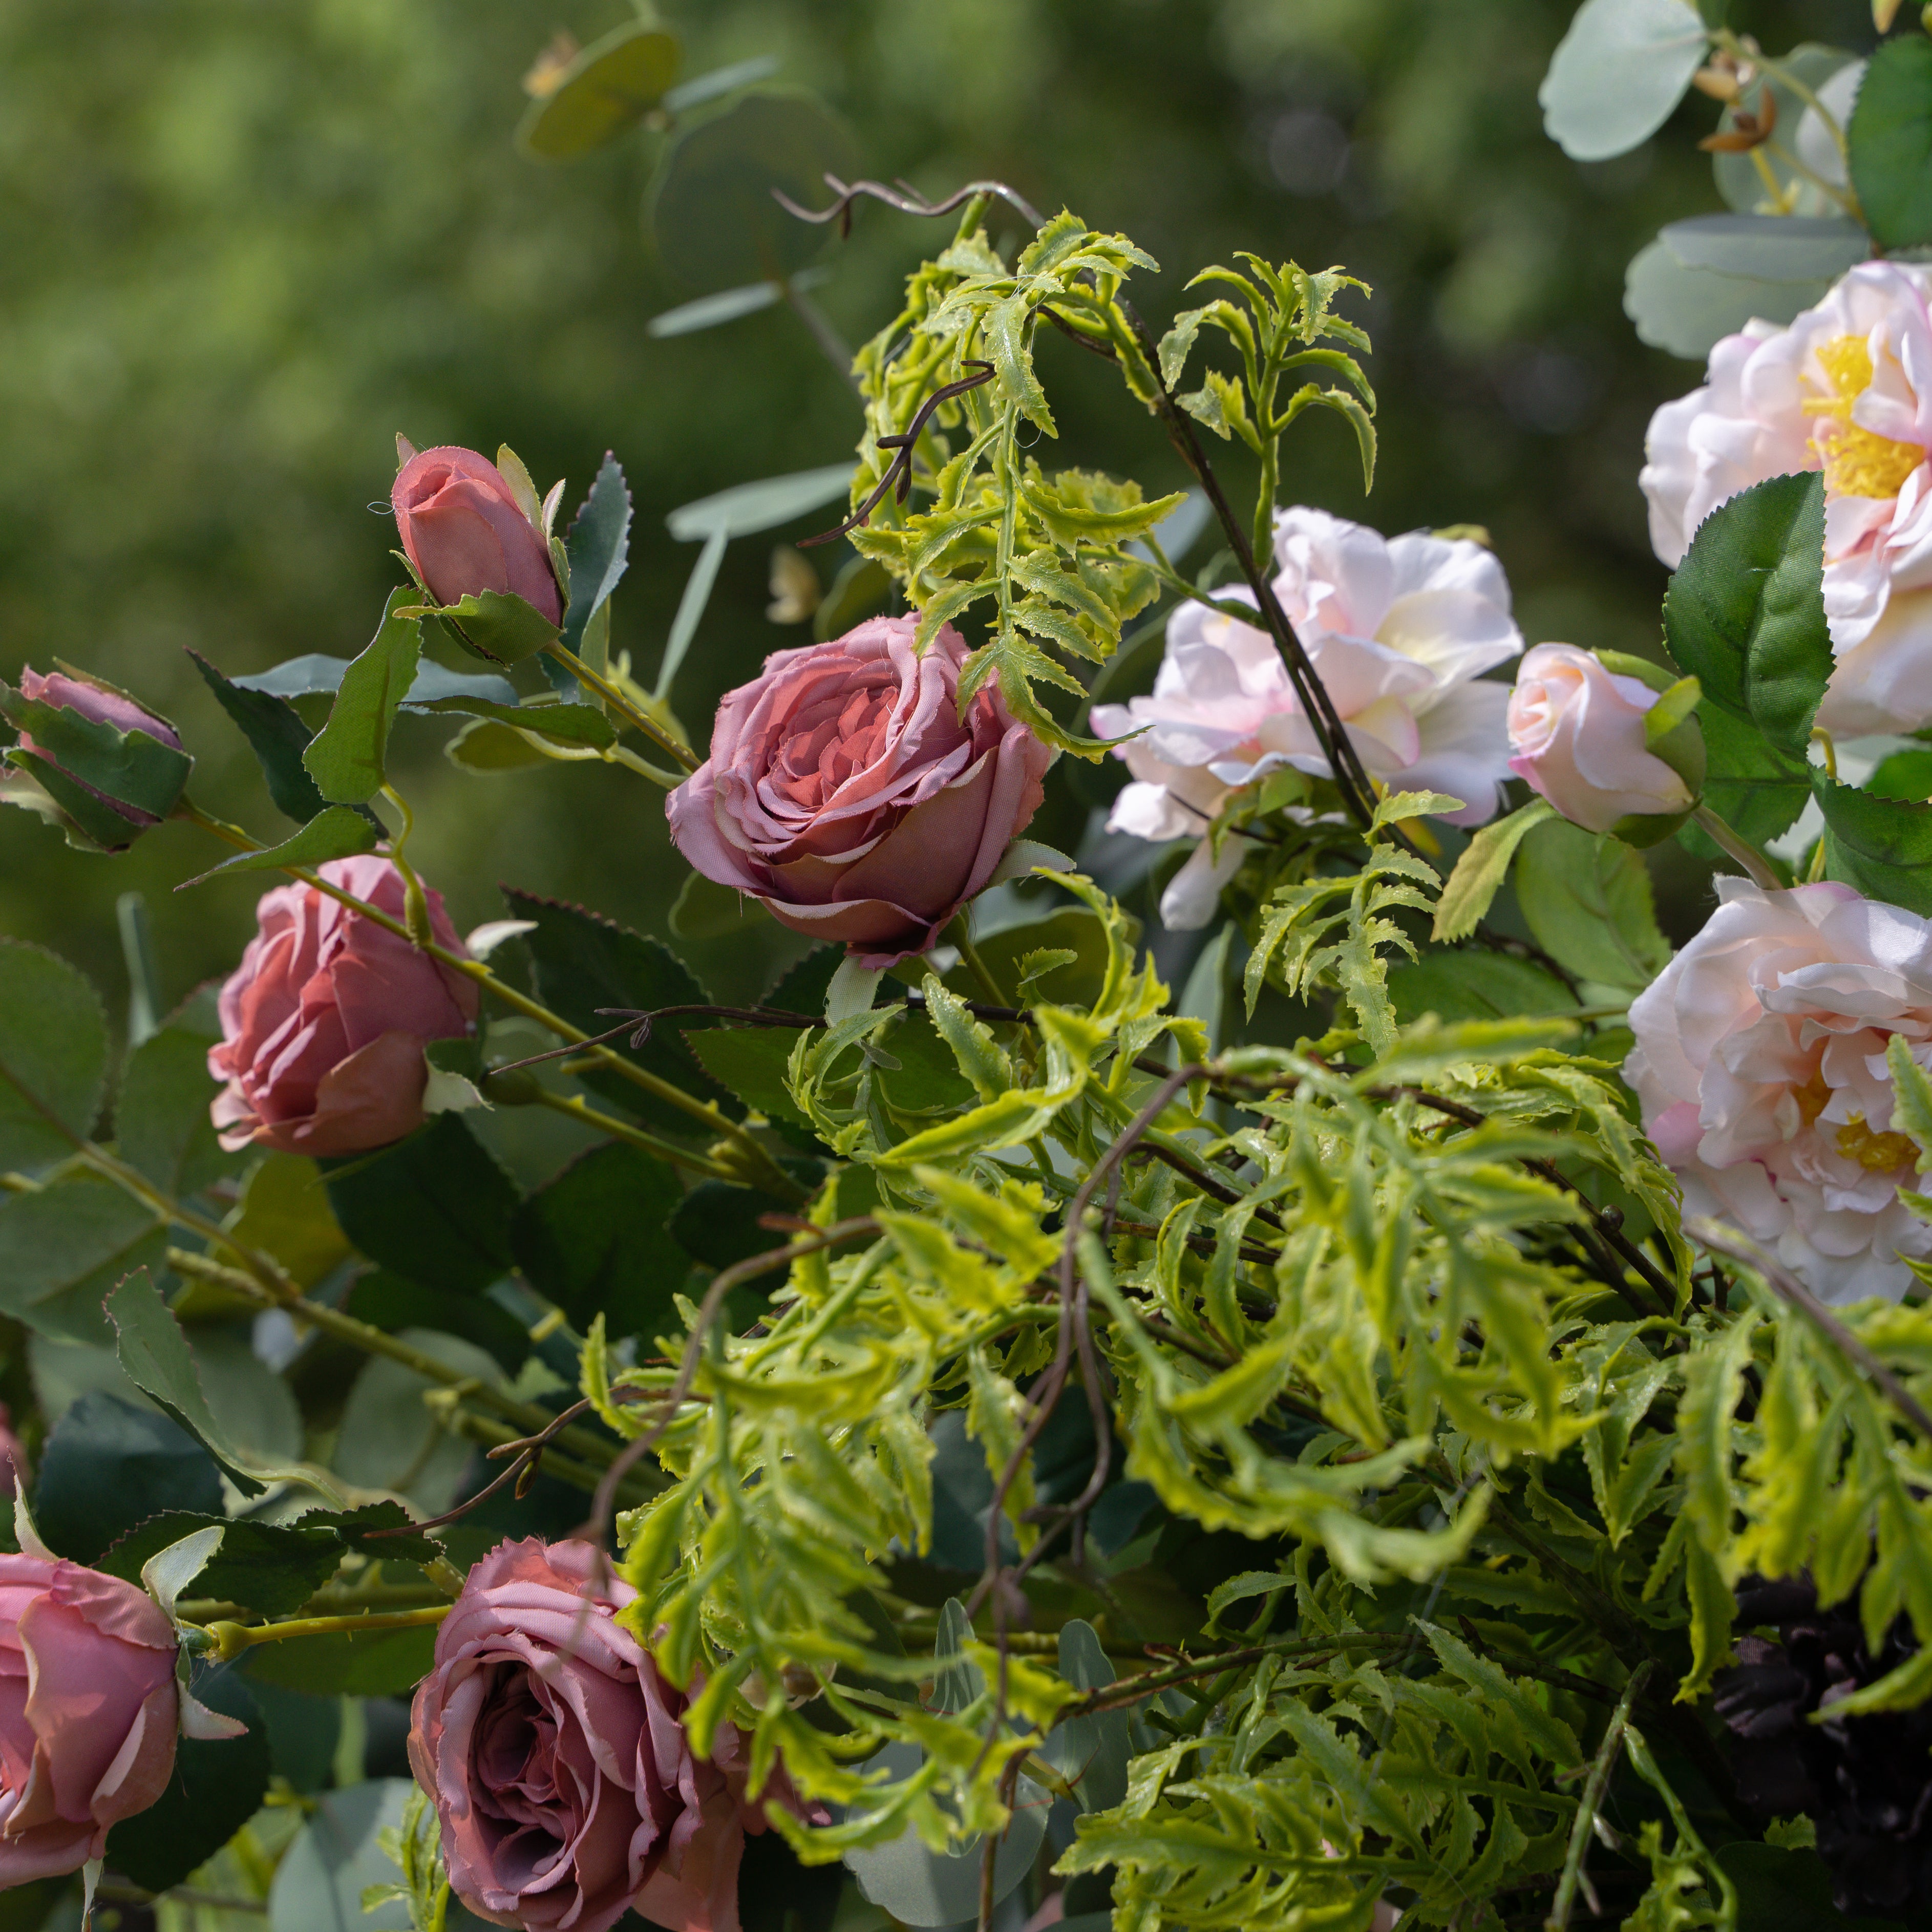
(53, 1057)
(1890, 138)
(1586, 897)
(347, 758)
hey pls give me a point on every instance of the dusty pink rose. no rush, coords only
(1577, 729)
(101, 704)
(464, 531)
(845, 790)
(1760, 1064)
(88, 1712)
(556, 1757)
(324, 1022)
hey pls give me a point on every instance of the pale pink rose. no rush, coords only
(1576, 728)
(1760, 1066)
(100, 704)
(88, 1712)
(1398, 631)
(463, 530)
(845, 790)
(556, 1755)
(325, 1021)
(1846, 387)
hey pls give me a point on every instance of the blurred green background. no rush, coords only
(247, 241)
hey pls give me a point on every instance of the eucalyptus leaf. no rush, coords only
(727, 305)
(1767, 247)
(389, 1439)
(1740, 177)
(604, 93)
(1688, 310)
(338, 1854)
(315, 674)
(702, 87)
(1618, 72)
(712, 213)
(161, 1117)
(749, 507)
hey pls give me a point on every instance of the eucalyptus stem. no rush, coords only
(1594, 1788)
(641, 1138)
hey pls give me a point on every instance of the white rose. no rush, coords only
(1847, 389)
(1397, 630)
(1577, 729)
(1760, 1065)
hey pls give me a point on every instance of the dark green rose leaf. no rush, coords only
(273, 1568)
(53, 1056)
(161, 1118)
(109, 1466)
(1890, 138)
(1883, 846)
(277, 735)
(1586, 897)
(339, 832)
(392, 1303)
(348, 757)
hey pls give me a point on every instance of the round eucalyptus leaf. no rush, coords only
(1618, 72)
(1686, 310)
(1830, 73)
(749, 507)
(389, 1440)
(335, 1857)
(712, 215)
(1767, 247)
(605, 91)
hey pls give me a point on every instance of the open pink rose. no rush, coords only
(463, 530)
(1760, 1065)
(845, 790)
(88, 1712)
(556, 1757)
(324, 1022)
(1577, 729)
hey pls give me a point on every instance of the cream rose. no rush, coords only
(1577, 729)
(1846, 388)
(1398, 630)
(1760, 1065)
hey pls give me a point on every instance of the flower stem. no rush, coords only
(230, 1640)
(638, 720)
(1756, 867)
(638, 1137)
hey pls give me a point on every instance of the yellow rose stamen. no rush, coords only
(1857, 461)
(1880, 1152)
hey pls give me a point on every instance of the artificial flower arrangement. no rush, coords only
(1016, 1451)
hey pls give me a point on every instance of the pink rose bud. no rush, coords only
(87, 1738)
(845, 790)
(1576, 728)
(463, 530)
(324, 1021)
(140, 791)
(556, 1755)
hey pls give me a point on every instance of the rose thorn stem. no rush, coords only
(231, 1639)
(621, 705)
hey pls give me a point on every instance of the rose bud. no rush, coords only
(555, 1756)
(87, 1738)
(111, 767)
(325, 1021)
(1583, 737)
(845, 790)
(465, 532)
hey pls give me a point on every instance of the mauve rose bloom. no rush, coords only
(463, 530)
(101, 705)
(556, 1755)
(845, 790)
(1846, 388)
(324, 1021)
(1760, 1066)
(88, 1712)
(1577, 729)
